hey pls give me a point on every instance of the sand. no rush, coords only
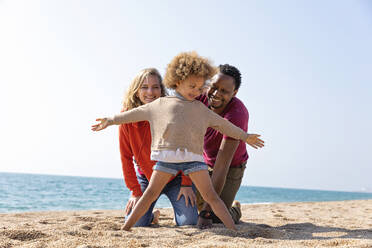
(315, 224)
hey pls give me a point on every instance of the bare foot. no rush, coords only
(236, 204)
(156, 214)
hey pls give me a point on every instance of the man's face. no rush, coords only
(220, 92)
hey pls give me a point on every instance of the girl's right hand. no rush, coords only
(104, 122)
(131, 203)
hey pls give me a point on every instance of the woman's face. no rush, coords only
(150, 89)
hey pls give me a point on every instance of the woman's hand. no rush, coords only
(189, 195)
(131, 203)
(104, 122)
(254, 141)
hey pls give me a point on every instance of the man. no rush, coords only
(225, 156)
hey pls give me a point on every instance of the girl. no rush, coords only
(135, 142)
(178, 124)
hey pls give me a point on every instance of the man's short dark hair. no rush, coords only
(231, 71)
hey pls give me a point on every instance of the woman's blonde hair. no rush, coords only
(187, 64)
(131, 99)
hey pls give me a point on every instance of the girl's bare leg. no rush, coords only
(203, 183)
(157, 182)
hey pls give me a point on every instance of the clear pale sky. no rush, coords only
(306, 69)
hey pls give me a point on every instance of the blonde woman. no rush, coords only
(135, 143)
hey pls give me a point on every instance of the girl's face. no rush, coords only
(191, 87)
(150, 89)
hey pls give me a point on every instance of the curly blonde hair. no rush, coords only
(131, 99)
(187, 64)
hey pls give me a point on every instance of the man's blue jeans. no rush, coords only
(183, 215)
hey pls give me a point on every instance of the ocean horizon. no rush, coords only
(21, 192)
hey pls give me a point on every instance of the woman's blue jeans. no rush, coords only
(183, 215)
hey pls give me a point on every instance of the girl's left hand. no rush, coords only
(189, 195)
(254, 141)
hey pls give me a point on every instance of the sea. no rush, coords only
(33, 192)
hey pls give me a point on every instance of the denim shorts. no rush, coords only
(185, 167)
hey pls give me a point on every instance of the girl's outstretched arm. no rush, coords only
(226, 127)
(140, 113)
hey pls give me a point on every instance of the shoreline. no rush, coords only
(160, 208)
(293, 224)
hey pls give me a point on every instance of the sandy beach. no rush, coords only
(314, 224)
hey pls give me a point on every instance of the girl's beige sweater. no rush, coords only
(177, 123)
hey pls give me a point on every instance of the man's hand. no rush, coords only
(189, 195)
(254, 141)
